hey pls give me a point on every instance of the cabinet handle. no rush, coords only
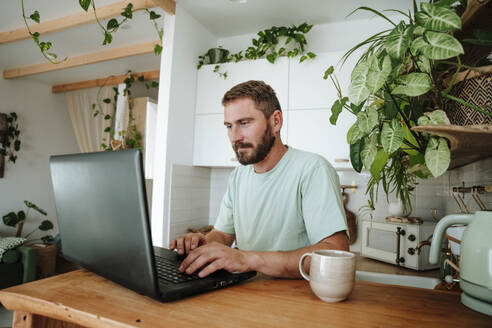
(341, 160)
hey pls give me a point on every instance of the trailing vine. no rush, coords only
(10, 143)
(111, 27)
(131, 137)
(268, 45)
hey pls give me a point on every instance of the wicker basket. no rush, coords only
(476, 91)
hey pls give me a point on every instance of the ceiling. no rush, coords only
(226, 18)
(223, 18)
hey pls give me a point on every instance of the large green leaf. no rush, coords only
(390, 109)
(437, 156)
(417, 46)
(45, 225)
(408, 136)
(358, 90)
(378, 164)
(437, 18)
(11, 219)
(413, 84)
(367, 120)
(336, 109)
(434, 118)
(369, 151)
(441, 46)
(391, 136)
(354, 133)
(398, 40)
(35, 207)
(355, 152)
(377, 76)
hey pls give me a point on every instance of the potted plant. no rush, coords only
(9, 139)
(403, 80)
(46, 250)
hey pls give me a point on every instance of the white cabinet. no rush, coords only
(212, 146)
(211, 87)
(308, 89)
(312, 131)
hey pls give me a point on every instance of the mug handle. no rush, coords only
(301, 268)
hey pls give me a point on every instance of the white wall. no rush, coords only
(184, 40)
(46, 130)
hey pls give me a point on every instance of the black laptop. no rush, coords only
(104, 226)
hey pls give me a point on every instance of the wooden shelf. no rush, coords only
(468, 143)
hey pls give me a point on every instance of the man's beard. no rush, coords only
(259, 152)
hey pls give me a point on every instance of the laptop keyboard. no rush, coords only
(169, 271)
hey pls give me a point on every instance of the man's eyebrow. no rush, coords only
(239, 120)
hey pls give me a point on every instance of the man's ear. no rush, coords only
(277, 121)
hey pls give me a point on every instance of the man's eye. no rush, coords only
(228, 126)
(244, 122)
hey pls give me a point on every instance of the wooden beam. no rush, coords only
(82, 18)
(96, 57)
(110, 80)
(169, 6)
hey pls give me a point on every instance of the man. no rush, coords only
(280, 204)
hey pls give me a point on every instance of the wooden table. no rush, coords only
(83, 298)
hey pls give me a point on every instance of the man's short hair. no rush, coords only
(261, 93)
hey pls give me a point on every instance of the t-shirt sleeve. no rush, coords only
(225, 219)
(322, 205)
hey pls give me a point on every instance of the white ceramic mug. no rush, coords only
(331, 274)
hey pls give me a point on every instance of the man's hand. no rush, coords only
(186, 243)
(217, 256)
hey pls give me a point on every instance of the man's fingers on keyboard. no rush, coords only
(180, 245)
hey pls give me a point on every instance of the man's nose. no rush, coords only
(235, 134)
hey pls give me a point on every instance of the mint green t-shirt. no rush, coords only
(294, 205)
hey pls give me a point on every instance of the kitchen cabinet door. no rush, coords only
(312, 131)
(212, 146)
(211, 87)
(308, 89)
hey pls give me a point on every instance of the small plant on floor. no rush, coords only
(18, 219)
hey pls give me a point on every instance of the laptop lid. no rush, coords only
(103, 218)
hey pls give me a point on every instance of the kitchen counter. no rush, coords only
(367, 264)
(83, 298)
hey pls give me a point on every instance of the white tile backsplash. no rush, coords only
(190, 198)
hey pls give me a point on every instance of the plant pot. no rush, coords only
(46, 259)
(217, 55)
(476, 91)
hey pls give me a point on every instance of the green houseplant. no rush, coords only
(397, 84)
(9, 139)
(18, 219)
(271, 43)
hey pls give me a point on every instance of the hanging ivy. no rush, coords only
(131, 137)
(111, 27)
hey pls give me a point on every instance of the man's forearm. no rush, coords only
(219, 237)
(286, 264)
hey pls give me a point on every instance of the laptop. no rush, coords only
(103, 220)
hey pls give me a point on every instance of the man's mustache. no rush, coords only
(238, 145)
